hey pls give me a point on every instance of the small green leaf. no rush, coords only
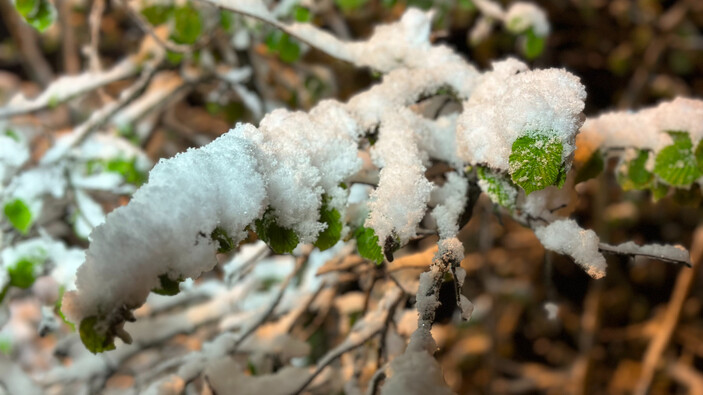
(5, 346)
(127, 168)
(227, 20)
(659, 190)
(331, 235)
(27, 8)
(281, 240)
(43, 16)
(591, 169)
(636, 175)
(301, 14)
(22, 274)
(498, 187)
(157, 14)
(367, 244)
(94, 341)
(12, 134)
(467, 5)
(288, 49)
(350, 5)
(19, 215)
(676, 164)
(699, 156)
(534, 44)
(174, 58)
(168, 286)
(59, 312)
(187, 25)
(535, 162)
(224, 242)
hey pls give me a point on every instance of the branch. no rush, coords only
(665, 253)
(371, 325)
(65, 88)
(658, 344)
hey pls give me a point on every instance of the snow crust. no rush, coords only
(512, 101)
(175, 240)
(646, 128)
(566, 237)
(522, 16)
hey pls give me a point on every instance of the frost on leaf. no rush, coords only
(676, 164)
(566, 237)
(511, 103)
(498, 187)
(536, 162)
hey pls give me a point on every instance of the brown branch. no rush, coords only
(656, 347)
(25, 38)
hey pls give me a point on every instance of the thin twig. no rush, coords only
(661, 339)
(299, 263)
(371, 325)
(611, 249)
(25, 38)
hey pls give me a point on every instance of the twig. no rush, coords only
(146, 27)
(633, 250)
(371, 325)
(26, 40)
(661, 339)
(67, 87)
(96, 13)
(69, 48)
(299, 262)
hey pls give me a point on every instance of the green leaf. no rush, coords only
(592, 168)
(535, 162)
(5, 346)
(12, 134)
(467, 5)
(636, 175)
(27, 8)
(187, 25)
(157, 14)
(3, 292)
(43, 17)
(94, 341)
(174, 58)
(168, 286)
(367, 244)
(19, 215)
(227, 20)
(224, 242)
(676, 164)
(301, 14)
(659, 190)
(498, 187)
(22, 274)
(281, 240)
(350, 5)
(699, 156)
(534, 44)
(59, 312)
(127, 168)
(331, 235)
(288, 49)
